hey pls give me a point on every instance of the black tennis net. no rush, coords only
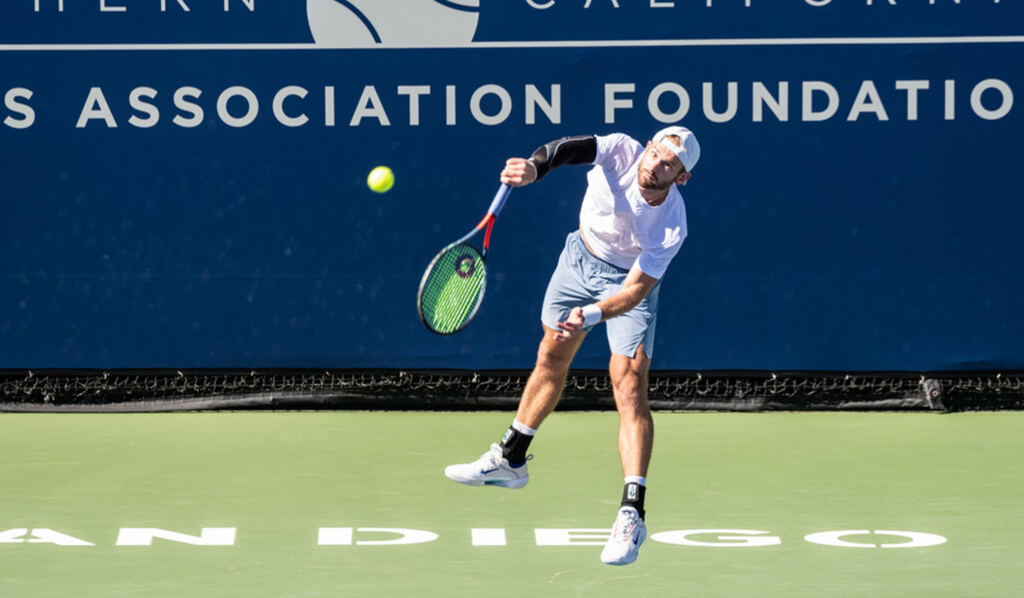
(173, 390)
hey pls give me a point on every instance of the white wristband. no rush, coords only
(591, 315)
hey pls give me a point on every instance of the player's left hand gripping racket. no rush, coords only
(453, 285)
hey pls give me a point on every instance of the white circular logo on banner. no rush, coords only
(393, 23)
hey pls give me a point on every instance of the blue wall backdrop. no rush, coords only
(182, 182)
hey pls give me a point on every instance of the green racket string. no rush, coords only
(452, 289)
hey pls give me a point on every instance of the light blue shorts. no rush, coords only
(581, 279)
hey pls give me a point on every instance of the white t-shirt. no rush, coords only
(620, 227)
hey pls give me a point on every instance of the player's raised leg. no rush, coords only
(546, 382)
(504, 465)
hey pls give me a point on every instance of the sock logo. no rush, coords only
(393, 23)
(508, 434)
(631, 491)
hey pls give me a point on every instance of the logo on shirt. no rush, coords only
(393, 23)
(673, 236)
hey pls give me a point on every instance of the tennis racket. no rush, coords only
(453, 285)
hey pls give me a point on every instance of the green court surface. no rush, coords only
(270, 487)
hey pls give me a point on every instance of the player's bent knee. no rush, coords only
(553, 360)
(554, 355)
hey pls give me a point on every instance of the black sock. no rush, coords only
(633, 496)
(514, 446)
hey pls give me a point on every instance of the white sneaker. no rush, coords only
(628, 533)
(491, 469)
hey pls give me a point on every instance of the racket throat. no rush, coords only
(487, 235)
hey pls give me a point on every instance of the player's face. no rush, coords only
(659, 168)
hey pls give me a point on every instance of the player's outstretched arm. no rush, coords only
(568, 150)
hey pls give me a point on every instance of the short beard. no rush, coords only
(654, 185)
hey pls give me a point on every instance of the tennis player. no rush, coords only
(632, 224)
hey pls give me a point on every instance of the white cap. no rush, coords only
(688, 150)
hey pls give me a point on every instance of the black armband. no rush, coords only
(568, 150)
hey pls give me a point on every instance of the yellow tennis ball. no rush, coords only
(381, 179)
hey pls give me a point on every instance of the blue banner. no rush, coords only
(185, 180)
